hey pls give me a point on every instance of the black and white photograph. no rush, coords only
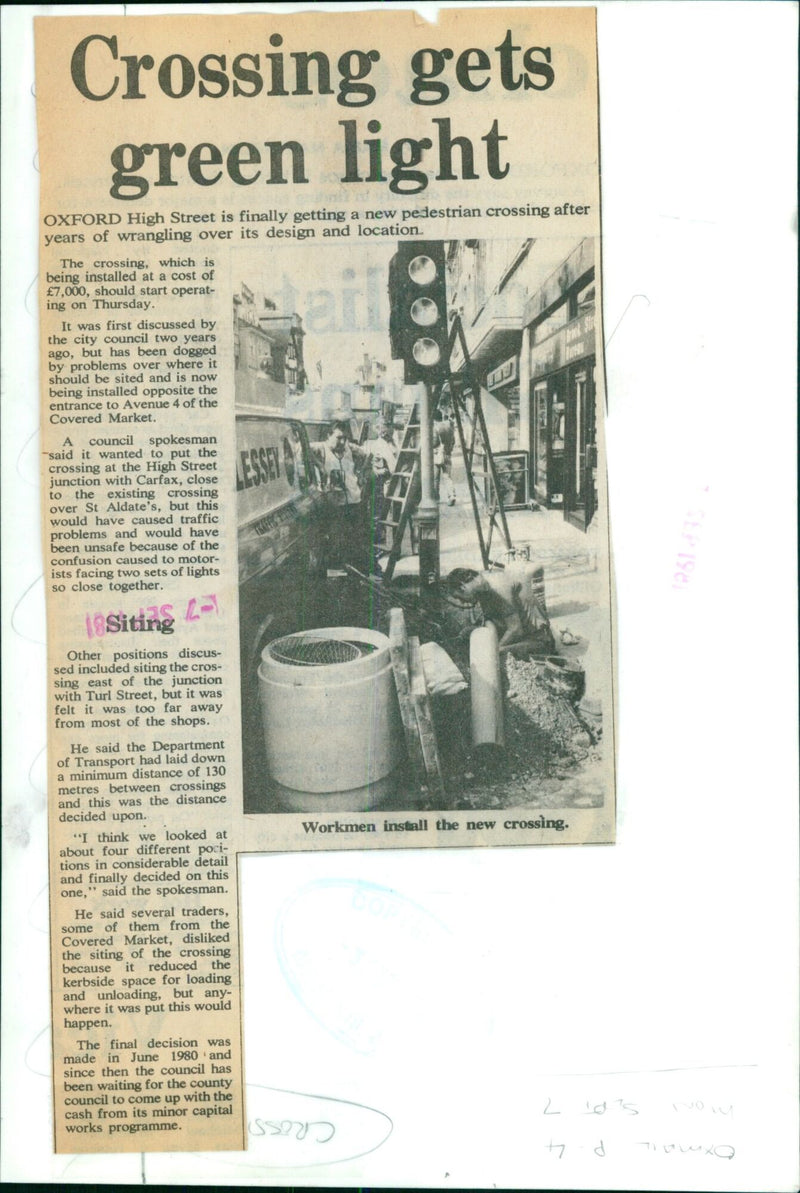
(422, 545)
(374, 424)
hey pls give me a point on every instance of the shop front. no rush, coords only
(510, 456)
(562, 386)
(502, 383)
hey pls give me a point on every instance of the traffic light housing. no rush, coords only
(418, 310)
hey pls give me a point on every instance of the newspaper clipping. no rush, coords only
(326, 528)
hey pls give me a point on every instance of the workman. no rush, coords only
(443, 444)
(385, 447)
(512, 598)
(347, 485)
(384, 462)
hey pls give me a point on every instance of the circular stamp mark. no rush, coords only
(287, 1130)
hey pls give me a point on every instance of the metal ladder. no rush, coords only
(402, 491)
(401, 496)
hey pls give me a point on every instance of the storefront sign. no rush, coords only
(503, 374)
(570, 343)
(579, 337)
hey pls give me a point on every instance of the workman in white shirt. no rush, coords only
(344, 466)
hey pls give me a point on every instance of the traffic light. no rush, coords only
(418, 309)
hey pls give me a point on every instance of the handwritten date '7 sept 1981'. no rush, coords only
(564, 1144)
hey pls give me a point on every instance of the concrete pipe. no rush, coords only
(486, 687)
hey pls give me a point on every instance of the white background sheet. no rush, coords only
(496, 1015)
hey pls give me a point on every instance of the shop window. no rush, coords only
(584, 299)
(513, 419)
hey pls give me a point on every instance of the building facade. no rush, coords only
(268, 351)
(527, 308)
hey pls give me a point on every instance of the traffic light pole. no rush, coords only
(427, 513)
(418, 334)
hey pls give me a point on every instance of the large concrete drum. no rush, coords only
(332, 731)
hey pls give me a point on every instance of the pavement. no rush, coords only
(569, 557)
(544, 532)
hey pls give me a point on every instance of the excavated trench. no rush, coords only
(553, 752)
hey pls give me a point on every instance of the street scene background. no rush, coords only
(311, 327)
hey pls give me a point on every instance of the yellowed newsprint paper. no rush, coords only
(325, 518)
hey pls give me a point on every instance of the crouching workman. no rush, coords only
(512, 598)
